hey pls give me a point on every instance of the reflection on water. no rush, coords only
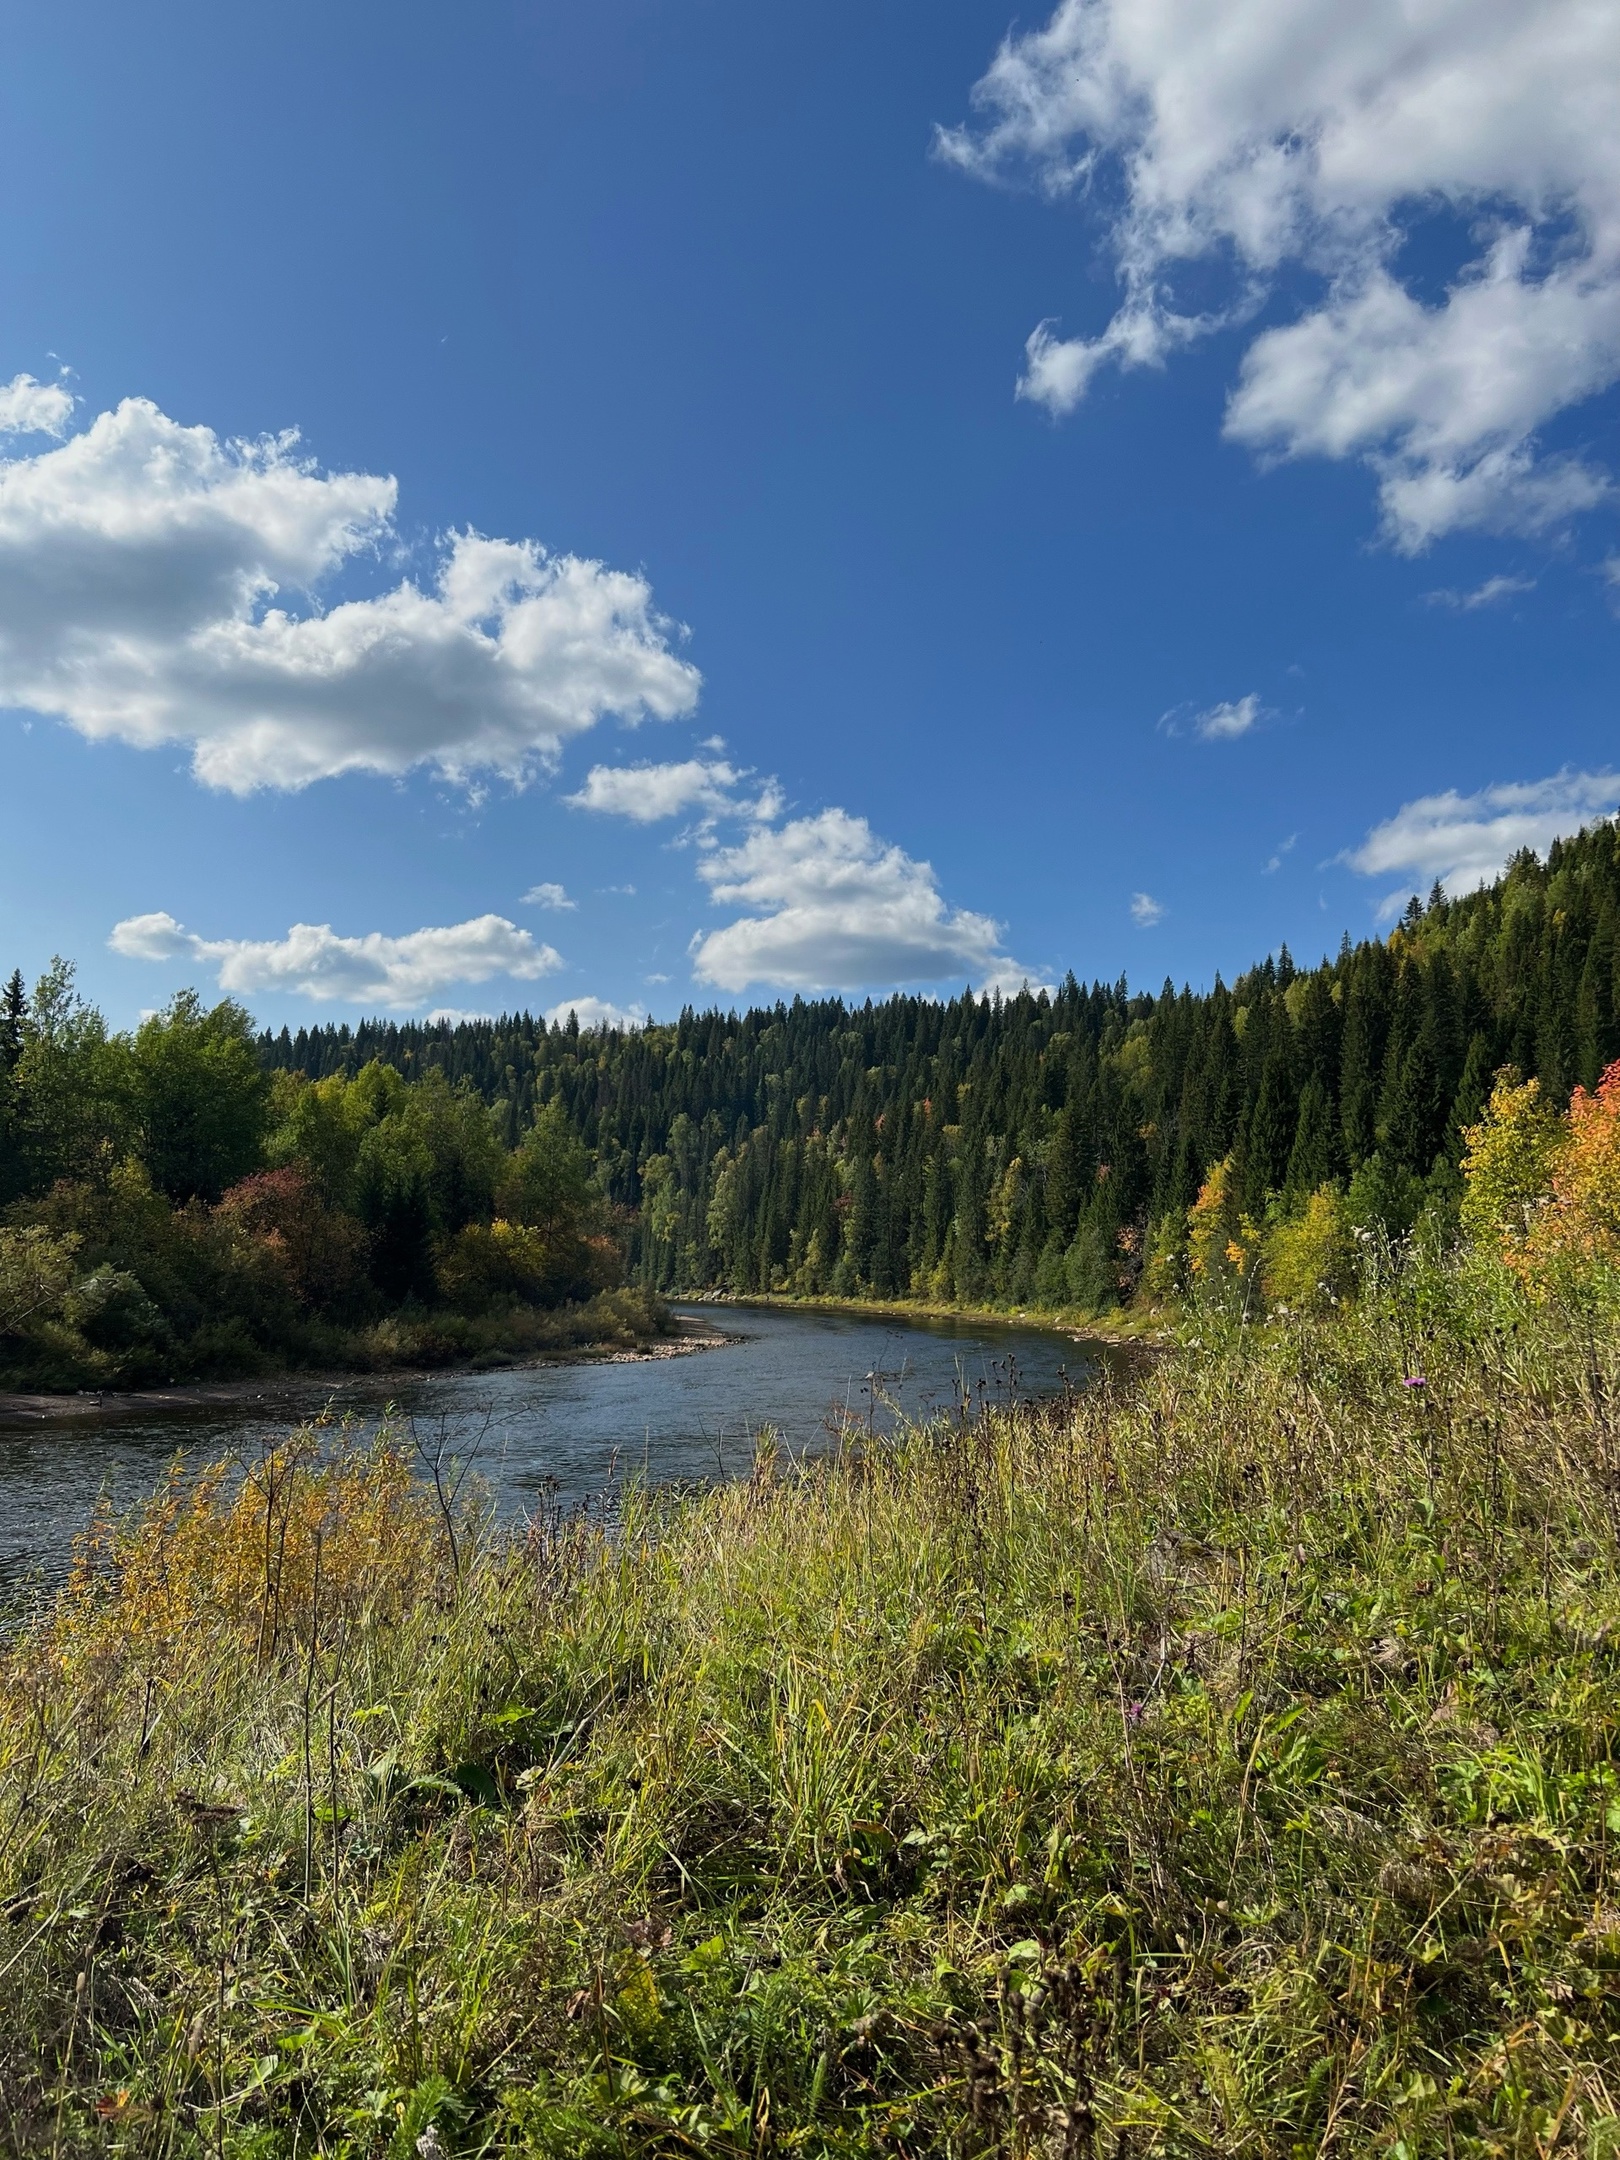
(561, 1432)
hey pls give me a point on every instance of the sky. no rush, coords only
(622, 506)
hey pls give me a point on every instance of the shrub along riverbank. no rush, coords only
(169, 1211)
(1216, 1763)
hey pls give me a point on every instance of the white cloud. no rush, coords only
(549, 896)
(645, 793)
(595, 1012)
(28, 407)
(1465, 840)
(1486, 595)
(1013, 981)
(313, 961)
(1224, 723)
(1275, 863)
(834, 908)
(1270, 138)
(143, 571)
(1146, 911)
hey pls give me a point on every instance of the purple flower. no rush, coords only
(1414, 1380)
(1134, 1712)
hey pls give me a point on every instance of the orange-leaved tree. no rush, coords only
(1543, 1191)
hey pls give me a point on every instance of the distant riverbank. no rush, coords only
(1119, 1330)
(23, 1408)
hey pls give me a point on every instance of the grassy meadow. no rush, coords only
(1219, 1762)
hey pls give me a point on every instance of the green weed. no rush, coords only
(1220, 1762)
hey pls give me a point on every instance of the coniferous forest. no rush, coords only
(192, 1200)
(1053, 1149)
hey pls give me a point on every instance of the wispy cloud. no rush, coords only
(549, 896)
(1284, 847)
(1224, 722)
(1482, 596)
(1146, 911)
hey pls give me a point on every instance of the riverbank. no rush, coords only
(1120, 1329)
(678, 1337)
(1220, 1763)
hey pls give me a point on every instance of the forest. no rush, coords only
(1216, 1760)
(1077, 1150)
(173, 1210)
(194, 1199)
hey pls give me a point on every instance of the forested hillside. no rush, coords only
(1049, 1148)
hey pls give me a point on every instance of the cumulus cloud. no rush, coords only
(832, 907)
(549, 896)
(313, 961)
(1270, 138)
(595, 1012)
(646, 793)
(1146, 911)
(29, 407)
(1465, 840)
(145, 569)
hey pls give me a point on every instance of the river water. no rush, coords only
(549, 1434)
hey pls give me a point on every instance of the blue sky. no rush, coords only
(1271, 580)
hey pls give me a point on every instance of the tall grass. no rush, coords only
(1216, 1764)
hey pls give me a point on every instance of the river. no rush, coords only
(547, 1434)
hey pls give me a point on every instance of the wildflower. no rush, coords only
(1414, 1380)
(1134, 1712)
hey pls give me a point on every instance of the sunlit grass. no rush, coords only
(1220, 1763)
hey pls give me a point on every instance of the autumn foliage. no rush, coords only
(1543, 1190)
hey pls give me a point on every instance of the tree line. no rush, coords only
(170, 1207)
(1056, 1148)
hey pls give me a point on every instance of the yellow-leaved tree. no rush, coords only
(1308, 1256)
(1221, 1241)
(1507, 1169)
(1543, 1191)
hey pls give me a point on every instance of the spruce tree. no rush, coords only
(1316, 1156)
(13, 1014)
